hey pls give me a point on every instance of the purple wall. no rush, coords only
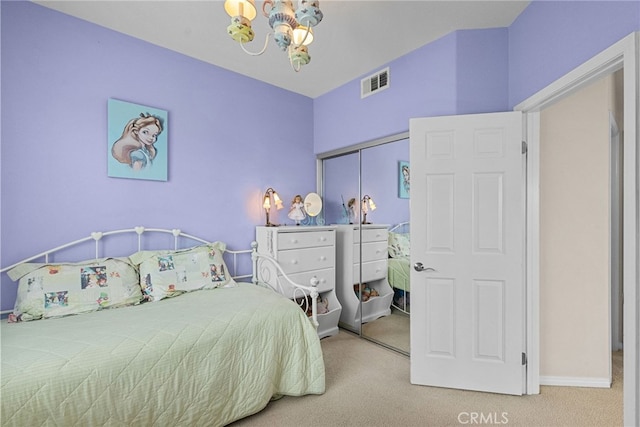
(58, 73)
(226, 144)
(475, 71)
(481, 71)
(463, 72)
(550, 38)
(422, 83)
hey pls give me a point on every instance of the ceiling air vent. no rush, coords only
(374, 83)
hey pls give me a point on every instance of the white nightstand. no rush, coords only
(374, 272)
(305, 252)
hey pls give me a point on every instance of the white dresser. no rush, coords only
(374, 239)
(305, 252)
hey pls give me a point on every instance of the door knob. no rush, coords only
(418, 266)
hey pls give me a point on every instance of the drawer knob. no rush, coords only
(294, 261)
(294, 240)
(323, 258)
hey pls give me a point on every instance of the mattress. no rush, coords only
(207, 357)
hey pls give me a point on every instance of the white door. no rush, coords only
(467, 230)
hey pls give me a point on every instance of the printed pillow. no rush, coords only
(54, 290)
(399, 245)
(165, 274)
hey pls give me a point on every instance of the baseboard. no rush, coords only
(575, 382)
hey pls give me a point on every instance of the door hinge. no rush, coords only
(524, 147)
(524, 359)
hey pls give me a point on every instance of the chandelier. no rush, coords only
(292, 27)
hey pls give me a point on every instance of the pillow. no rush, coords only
(165, 274)
(54, 290)
(399, 245)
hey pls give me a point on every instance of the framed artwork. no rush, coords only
(137, 141)
(403, 180)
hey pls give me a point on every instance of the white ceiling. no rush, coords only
(355, 38)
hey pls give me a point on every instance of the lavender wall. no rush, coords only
(481, 71)
(463, 72)
(58, 72)
(550, 38)
(421, 83)
(225, 141)
(475, 71)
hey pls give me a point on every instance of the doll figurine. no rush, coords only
(296, 212)
(352, 210)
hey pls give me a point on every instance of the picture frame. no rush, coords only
(137, 142)
(403, 179)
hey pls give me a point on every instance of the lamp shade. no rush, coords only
(302, 35)
(372, 205)
(367, 203)
(245, 8)
(291, 26)
(277, 200)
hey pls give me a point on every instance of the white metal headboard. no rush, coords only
(402, 227)
(257, 275)
(98, 235)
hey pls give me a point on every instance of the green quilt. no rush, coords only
(205, 358)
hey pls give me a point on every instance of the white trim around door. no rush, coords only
(622, 55)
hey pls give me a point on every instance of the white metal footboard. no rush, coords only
(268, 272)
(259, 276)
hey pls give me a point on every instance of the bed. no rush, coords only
(398, 266)
(206, 356)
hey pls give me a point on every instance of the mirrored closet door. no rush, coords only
(365, 191)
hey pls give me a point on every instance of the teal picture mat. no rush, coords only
(119, 113)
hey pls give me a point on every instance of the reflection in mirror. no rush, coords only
(383, 178)
(341, 180)
(340, 183)
(374, 170)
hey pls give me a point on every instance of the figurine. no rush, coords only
(296, 212)
(352, 210)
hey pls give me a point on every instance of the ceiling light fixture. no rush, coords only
(292, 27)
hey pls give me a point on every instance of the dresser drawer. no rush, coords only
(297, 261)
(326, 280)
(305, 239)
(371, 251)
(371, 235)
(370, 271)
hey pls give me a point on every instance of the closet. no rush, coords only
(347, 180)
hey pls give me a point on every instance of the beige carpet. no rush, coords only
(368, 385)
(392, 330)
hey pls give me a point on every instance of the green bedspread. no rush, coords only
(399, 274)
(207, 357)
